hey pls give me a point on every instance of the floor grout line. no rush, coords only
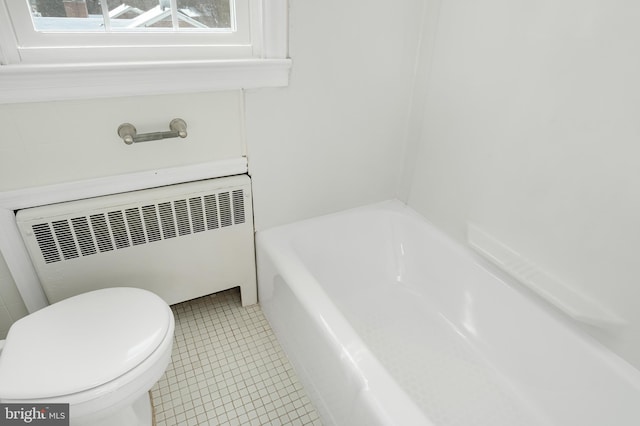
(227, 368)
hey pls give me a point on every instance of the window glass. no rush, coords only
(131, 15)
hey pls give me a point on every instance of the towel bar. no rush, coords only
(128, 132)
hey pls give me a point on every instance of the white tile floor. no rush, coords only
(227, 368)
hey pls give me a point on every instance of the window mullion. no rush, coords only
(234, 20)
(174, 15)
(104, 6)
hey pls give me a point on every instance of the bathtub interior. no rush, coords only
(464, 345)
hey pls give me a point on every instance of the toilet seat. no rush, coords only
(83, 348)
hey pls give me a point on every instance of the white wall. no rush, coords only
(334, 138)
(530, 130)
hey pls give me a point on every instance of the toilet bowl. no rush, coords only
(100, 352)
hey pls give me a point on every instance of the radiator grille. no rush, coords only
(119, 229)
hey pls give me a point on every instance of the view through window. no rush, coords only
(132, 15)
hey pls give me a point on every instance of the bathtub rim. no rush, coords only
(396, 206)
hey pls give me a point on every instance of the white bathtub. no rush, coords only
(387, 321)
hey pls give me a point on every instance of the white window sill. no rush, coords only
(35, 83)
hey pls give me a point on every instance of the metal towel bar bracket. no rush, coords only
(129, 134)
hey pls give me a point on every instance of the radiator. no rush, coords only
(180, 241)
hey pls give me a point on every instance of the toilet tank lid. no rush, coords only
(81, 342)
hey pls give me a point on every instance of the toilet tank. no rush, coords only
(179, 241)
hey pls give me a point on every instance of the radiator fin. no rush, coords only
(83, 235)
(238, 206)
(151, 223)
(197, 214)
(65, 239)
(182, 217)
(211, 206)
(46, 242)
(101, 231)
(166, 218)
(119, 229)
(225, 209)
(135, 226)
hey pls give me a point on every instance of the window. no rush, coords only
(115, 43)
(73, 31)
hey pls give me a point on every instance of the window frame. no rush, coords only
(168, 67)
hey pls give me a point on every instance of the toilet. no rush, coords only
(100, 352)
